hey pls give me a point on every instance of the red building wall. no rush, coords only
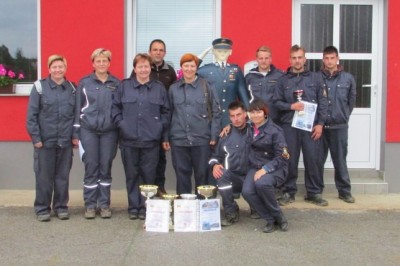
(393, 74)
(76, 28)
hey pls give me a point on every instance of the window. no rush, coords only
(184, 26)
(18, 31)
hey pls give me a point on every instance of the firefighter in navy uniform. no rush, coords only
(50, 124)
(261, 81)
(141, 111)
(298, 78)
(97, 133)
(229, 161)
(227, 78)
(268, 161)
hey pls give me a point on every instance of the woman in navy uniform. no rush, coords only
(50, 124)
(98, 134)
(268, 160)
(195, 125)
(141, 111)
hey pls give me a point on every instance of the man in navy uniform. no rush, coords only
(262, 80)
(298, 78)
(341, 90)
(227, 78)
(229, 161)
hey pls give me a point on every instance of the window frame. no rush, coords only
(131, 31)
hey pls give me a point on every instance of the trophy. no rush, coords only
(171, 198)
(148, 191)
(298, 94)
(188, 196)
(206, 190)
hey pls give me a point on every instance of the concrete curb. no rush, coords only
(25, 198)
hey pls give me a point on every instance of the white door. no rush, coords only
(355, 28)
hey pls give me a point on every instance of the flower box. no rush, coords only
(7, 89)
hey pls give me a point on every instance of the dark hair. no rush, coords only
(138, 57)
(259, 105)
(296, 48)
(236, 105)
(330, 50)
(159, 41)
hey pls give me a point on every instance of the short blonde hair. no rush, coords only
(101, 51)
(56, 57)
(264, 49)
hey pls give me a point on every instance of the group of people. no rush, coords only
(152, 112)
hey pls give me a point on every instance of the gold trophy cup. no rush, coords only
(148, 191)
(206, 190)
(171, 198)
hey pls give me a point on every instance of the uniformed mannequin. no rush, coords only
(227, 78)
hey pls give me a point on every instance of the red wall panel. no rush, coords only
(393, 74)
(251, 24)
(73, 29)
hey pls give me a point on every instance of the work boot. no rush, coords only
(230, 219)
(286, 199)
(282, 223)
(347, 198)
(105, 213)
(316, 199)
(90, 213)
(254, 214)
(269, 228)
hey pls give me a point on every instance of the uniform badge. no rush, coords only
(231, 77)
(285, 153)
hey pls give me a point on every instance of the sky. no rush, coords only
(18, 26)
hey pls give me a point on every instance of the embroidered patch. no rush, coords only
(285, 153)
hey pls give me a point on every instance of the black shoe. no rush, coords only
(286, 199)
(282, 223)
(254, 214)
(316, 199)
(269, 228)
(347, 198)
(133, 216)
(230, 219)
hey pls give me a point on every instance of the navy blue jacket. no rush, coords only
(312, 85)
(141, 112)
(263, 87)
(196, 114)
(232, 151)
(94, 102)
(165, 73)
(269, 149)
(229, 84)
(50, 115)
(341, 89)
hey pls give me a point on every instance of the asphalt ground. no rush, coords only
(364, 233)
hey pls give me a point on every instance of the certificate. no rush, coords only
(304, 120)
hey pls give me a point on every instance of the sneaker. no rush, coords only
(90, 213)
(230, 219)
(347, 198)
(43, 217)
(63, 215)
(133, 216)
(254, 214)
(316, 199)
(286, 199)
(269, 228)
(105, 213)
